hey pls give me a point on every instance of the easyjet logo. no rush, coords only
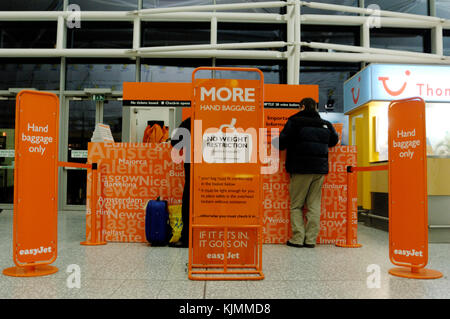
(356, 98)
(35, 251)
(391, 92)
(408, 253)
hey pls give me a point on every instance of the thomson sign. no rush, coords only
(387, 82)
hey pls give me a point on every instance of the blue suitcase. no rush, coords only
(157, 227)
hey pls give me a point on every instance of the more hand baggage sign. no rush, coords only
(226, 186)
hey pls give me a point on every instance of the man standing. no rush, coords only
(307, 137)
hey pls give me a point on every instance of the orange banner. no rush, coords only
(225, 170)
(333, 219)
(36, 178)
(130, 174)
(408, 210)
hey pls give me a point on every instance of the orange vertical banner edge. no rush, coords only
(408, 206)
(35, 221)
(350, 220)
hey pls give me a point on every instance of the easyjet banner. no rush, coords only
(225, 170)
(131, 174)
(408, 212)
(36, 178)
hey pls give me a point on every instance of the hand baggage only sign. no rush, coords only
(36, 178)
(408, 212)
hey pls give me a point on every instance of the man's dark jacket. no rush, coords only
(307, 137)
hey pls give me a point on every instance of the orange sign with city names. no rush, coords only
(130, 174)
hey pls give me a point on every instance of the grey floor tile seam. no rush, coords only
(118, 288)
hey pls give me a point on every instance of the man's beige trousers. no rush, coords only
(305, 189)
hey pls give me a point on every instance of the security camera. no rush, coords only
(329, 106)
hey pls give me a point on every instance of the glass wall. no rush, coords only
(109, 5)
(275, 72)
(251, 32)
(94, 34)
(99, 73)
(413, 40)
(174, 3)
(177, 3)
(446, 40)
(175, 33)
(351, 3)
(443, 9)
(27, 5)
(330, 34)
(170, 70)
(28, 34)
(7, 125)
(41, 74)
(405, 6)
(81, 126)
(112, 115)
(330, 77)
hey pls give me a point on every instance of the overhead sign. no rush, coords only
(357, 90)
(156, 94)
(98, 97)
(6, 153)
(35, 179)
(387, 82)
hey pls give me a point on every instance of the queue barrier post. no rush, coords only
(96, 234)
(349, 219)
(350, 189)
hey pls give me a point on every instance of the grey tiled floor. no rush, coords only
(137, 271)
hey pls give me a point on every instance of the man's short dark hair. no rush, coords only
(309, 104)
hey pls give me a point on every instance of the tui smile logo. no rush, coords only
(355, 99)
(384, 80)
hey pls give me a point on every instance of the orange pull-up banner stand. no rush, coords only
(225, 203)
(35, 185)
(408, 206)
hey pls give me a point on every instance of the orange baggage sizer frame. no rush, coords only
(228, 274)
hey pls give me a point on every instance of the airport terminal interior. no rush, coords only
(354, 57)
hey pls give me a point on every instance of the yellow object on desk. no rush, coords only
(176, 222)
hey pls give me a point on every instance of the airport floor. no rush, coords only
(137, 271)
